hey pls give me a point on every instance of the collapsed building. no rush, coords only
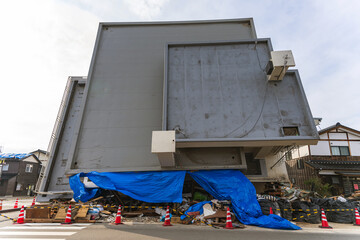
(173, 96)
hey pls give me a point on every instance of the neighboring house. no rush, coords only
(42, 156)
(335, 159)
(18, 173)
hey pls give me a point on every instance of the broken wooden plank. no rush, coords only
(82, 213)
(61, 214)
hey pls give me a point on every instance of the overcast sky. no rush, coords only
(44, 41)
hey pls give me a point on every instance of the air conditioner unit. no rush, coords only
(278, 65)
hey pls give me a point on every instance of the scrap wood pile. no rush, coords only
(55, 212)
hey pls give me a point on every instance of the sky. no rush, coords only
(42, 42)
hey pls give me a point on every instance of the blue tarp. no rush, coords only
(167, 186)
(153, 187)
(233, 185)
(196, 208)
(14, 155)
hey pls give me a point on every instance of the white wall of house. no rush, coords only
(303, 151)
(355, 148)
(343, 137)
(321, 149)
(278, 172)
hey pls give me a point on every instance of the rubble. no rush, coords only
(290, 203)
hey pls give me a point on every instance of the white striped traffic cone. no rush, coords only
(324, 222)
(68, 216)
(118, 217)
(16, 203)
(20, 219)
(357, 218)
(33, 202)
(228, 220)
(167, 218)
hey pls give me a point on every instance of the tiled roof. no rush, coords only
(334, 165)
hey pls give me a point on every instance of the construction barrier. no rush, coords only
(9, 218)
(140, 207)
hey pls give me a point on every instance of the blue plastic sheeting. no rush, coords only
(233, 185)
(167, 186)
(195, 208)
(14, 155)
(153, 187)
(81, 193)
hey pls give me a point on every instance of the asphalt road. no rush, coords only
(182, 232)
(158, 232)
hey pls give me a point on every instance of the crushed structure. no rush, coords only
(177, 99)
(180, 96)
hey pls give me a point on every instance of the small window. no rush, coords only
(300, 164)
(5, 167)
(335, 180)
(288, 155)
(291, 131)
(29, 168)
(18, 187)
(340, 151)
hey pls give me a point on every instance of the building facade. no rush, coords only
(335, 160)
(18, 174)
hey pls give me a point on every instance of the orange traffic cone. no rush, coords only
(1, 204)
(228, 220)
(20, 219)
(357, 218)
(68, 216)
(167, 218)
(118, 217)
(324, 222)
(16, 203)
(33, 203)
(271, 211)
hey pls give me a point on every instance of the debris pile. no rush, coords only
(200, 208)
(305, 206)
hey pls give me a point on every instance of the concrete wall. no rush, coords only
(124, 92)
(279, 171)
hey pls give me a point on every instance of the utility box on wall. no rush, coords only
(163, 144)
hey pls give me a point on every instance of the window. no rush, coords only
(29, 168)
(340, 151)
(300, 164)
(291, 131)
(5, 167)
(253, 165)
(288, 155)
(18, 187)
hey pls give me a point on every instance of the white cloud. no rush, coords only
(45, 42)
(146, 9)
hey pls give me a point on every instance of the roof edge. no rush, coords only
(250, 20)
(338, 125)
